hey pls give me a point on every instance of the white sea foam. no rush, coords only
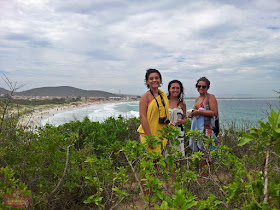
(134, 113)
(98, 112)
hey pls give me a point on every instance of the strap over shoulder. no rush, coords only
(207, 103)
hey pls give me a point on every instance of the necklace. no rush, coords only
(201, 103)
(203, 98)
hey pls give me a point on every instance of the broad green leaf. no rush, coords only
(277, 130)
(276, 135)
(267, 126)
(164, 205)
(265, 205)
(254, 134)
(160, 195)
(265, 134)
(89, 199)
(261, 124)
(248, 136)
(116, 189)
(191, 204)
(217, 202)
(273, 118)
(244, 141)
(277, 149)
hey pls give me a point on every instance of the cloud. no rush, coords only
(108, 45)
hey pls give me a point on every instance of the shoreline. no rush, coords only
(40, 113)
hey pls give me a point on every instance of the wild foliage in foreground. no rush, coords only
(103, 166)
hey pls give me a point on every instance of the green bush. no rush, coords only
(102, 165)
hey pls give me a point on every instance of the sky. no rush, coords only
(109, 44)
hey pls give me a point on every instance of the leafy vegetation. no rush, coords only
(93, 165)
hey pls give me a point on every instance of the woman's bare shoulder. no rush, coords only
(183, 103)
(212, 97)
(145, 96)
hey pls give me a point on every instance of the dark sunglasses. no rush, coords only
(203, 86)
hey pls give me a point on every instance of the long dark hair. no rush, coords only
(181, 95)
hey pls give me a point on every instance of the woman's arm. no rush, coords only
(213, 104)
(213, 108)
(184, 119)
(143, 107)
(194, 113)
(195, 105)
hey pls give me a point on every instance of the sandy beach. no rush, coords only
(38, 114)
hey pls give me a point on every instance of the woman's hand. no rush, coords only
(195, 113)
(180, 122)
(172, 124)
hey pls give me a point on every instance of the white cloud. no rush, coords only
(108, 45)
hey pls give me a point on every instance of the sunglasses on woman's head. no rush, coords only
(203, 86)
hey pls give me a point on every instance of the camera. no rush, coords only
(163, 120)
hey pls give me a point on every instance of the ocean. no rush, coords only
(240, 113)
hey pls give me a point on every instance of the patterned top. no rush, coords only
(175, 115)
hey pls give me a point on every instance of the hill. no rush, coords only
(62, 91)
(3, 91)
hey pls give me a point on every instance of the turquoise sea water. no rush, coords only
(237, 112)
(243, 113)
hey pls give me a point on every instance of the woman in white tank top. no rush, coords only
(177, 110)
